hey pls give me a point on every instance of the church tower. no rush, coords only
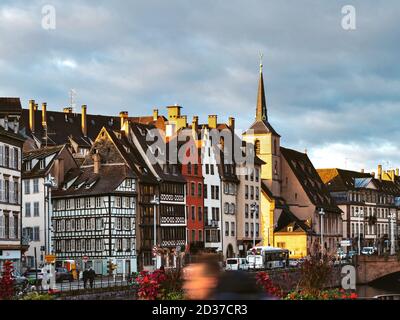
(266, 141)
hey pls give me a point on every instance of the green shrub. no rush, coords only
(176, 295)
(37, 296)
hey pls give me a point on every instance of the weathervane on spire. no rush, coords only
(261, 61)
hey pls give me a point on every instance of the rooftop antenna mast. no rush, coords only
(72, 98)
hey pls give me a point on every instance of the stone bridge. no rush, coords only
(370, 268)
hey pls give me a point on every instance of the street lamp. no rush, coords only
(321, 214)
(392, 217)
(359, 214)
(155, 202)
(254, 210)
(48, 184)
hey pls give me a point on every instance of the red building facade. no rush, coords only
(194, 205)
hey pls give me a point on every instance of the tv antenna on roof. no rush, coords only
(72, 97)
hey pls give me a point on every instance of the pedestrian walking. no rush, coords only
(85, 277)
(91, 276)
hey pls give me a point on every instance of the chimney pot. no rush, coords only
(380, 172)
(123, 115)
(231, 123)
(212, 121)
(84, 120)
(44, 116)
(96, 162)
(155, 114)
(32, 115)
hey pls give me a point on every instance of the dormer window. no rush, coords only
(41, 164)
(28, 166)
(290, 229)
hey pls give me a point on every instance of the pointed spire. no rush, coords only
(261, 111)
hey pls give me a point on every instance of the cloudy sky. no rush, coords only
(331, 91)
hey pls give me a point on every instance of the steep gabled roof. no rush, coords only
(41, 154)
(288, 219)
(10, 106)
(106, 181)
(309, 179)
(346, 180)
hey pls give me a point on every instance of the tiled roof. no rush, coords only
(62, 126)
(106, 181)
(261, 127)
(10, 105)
(288, 219)
(342, 180)
(309, 179)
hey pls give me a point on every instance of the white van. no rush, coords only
(234, 264)
(368, 250)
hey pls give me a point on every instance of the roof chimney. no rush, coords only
(84, 120)
(373, 174)
(123, 115)
(362, 170)
(212, 121)
(32, 115)
(155, 114)
(231, 123)
(380, 172)
(392, 175)
(195, 126)
(96, 162)
(36, 106)
(397, 172)
(44, 118)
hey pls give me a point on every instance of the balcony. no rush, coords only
(212, 223)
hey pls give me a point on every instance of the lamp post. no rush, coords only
(321, 214)
(155, 202)
(359, 214)
(49, 183)
(254, 211)
(392, 217)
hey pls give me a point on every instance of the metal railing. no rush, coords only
(101, 283)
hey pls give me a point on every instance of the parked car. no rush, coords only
(351, 254)
(63, 274)
(19, 279)
(31, 276)
(368, 250)
(294, 263)
(234, 264)
(341, 254)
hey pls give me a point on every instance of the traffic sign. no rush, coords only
(345, 243)
(50, 258)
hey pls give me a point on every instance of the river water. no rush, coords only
(387, 285)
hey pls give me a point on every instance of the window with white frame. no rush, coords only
(118, 244)
(99, 244)
(27, 189)
(118, 223)
(118, 202)
(99, 224)
(99, 202)
(36, 185)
